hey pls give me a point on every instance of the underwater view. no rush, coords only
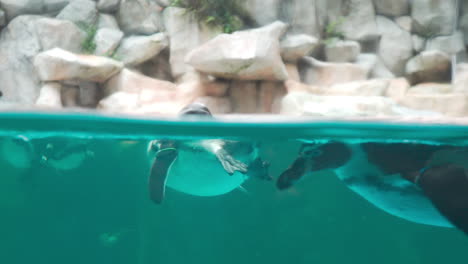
(233, 131)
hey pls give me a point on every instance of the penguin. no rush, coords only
(207, 167)
(421, 183)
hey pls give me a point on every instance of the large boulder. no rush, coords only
(107, 40)
(295, 47)
(451, 45)
(376, 87)
(449, 104)
(429, 66)
(108, 6)
(50, 96)
(81, 12)
(138, 49)
(304, 17)
(342, 51)
(320, 73)
(433, 17)
(263, 12)
(244, 55)
(107, 21)
(57, 65)
(185, 34)
(139, 17)
(57, 33)
(14, 8)
(392, 8)
(374, 66)
(396, 45)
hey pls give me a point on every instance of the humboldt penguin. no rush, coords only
(421, 183)
(207, 167)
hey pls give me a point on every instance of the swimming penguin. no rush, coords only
(404, 179)
(202, 167)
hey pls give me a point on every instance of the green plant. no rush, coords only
(88, 45)
(227, 14)
(332, 31)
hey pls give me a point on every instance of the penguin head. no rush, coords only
(330, 155)
(195, 109)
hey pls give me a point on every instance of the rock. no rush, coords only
(461, 78)
(158, 67)
(107, 40)
(464, 26)
(431, 88)
(376, 87)
(270, 95)
(81, 12)
(263, 12)
(419, 43)
(358, 21)
(429, 66)
(306, 104)
(392, 8)
(185, 34)
(56, 33)
(217, 105)
(49, 96)
(244, 96)
(451, 45)
(342, 51)
(405, 23)
(295, 86)
(452, 104)
(138, 49)
(14, 8)
(396, 45)
(121, 101)
(139, 17)
(294, 47)
(244, 55)
(70, 95)
(372, 64)
(320, 73)
(303, 17)
(108, 6)
(130, 81)
(89, 94)
(18, 46)
(293, 72)
(3, 20)
(57, 64)
(433, 17)
(107, 21)
(397, 89)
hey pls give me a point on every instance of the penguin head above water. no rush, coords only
(195, 109)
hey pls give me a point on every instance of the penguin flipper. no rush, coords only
(447, 188)
(158, 175)
(292, 174)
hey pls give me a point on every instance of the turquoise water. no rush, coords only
(94, 207)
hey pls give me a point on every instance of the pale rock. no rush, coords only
(185, 34)
(419, 43)
(139, 17)
(108, 6)
(3, 20)
(451, 104)
(342, 51)
(461, 78)
(107, 21)
(376, 87)
(244, 96)
(293, 72)
(120, 101)
(451, 45)
(431, 88)
(263, 12)
(70, 95)
(217, 105)
(396, 45)
(57, 64)
(392, 7)
(244, 55)
(56, 33)
(296, 86)
(404, 22)
(433, 17)
(320, 73)
(358, 18)
(132, 82)
(294, 47)
(18, 46)
(429, 66)
(463, 24)
(49, 96)
(81, 12)
(372, 64)
(14, 8)
(138, 49)
(107, 40)
(397, 89)
(270, 95)
(89, 94)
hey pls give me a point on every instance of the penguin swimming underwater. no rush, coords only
(404, 179)
(202, 167)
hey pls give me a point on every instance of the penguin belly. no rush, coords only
(201, 174)
(390, 193)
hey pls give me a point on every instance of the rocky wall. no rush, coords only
(319, 58)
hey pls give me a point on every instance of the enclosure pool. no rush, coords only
(74, 190)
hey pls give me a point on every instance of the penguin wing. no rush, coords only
(158, 174)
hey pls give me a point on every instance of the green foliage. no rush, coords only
(226, 14)
(88, 45)
(332, 31)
